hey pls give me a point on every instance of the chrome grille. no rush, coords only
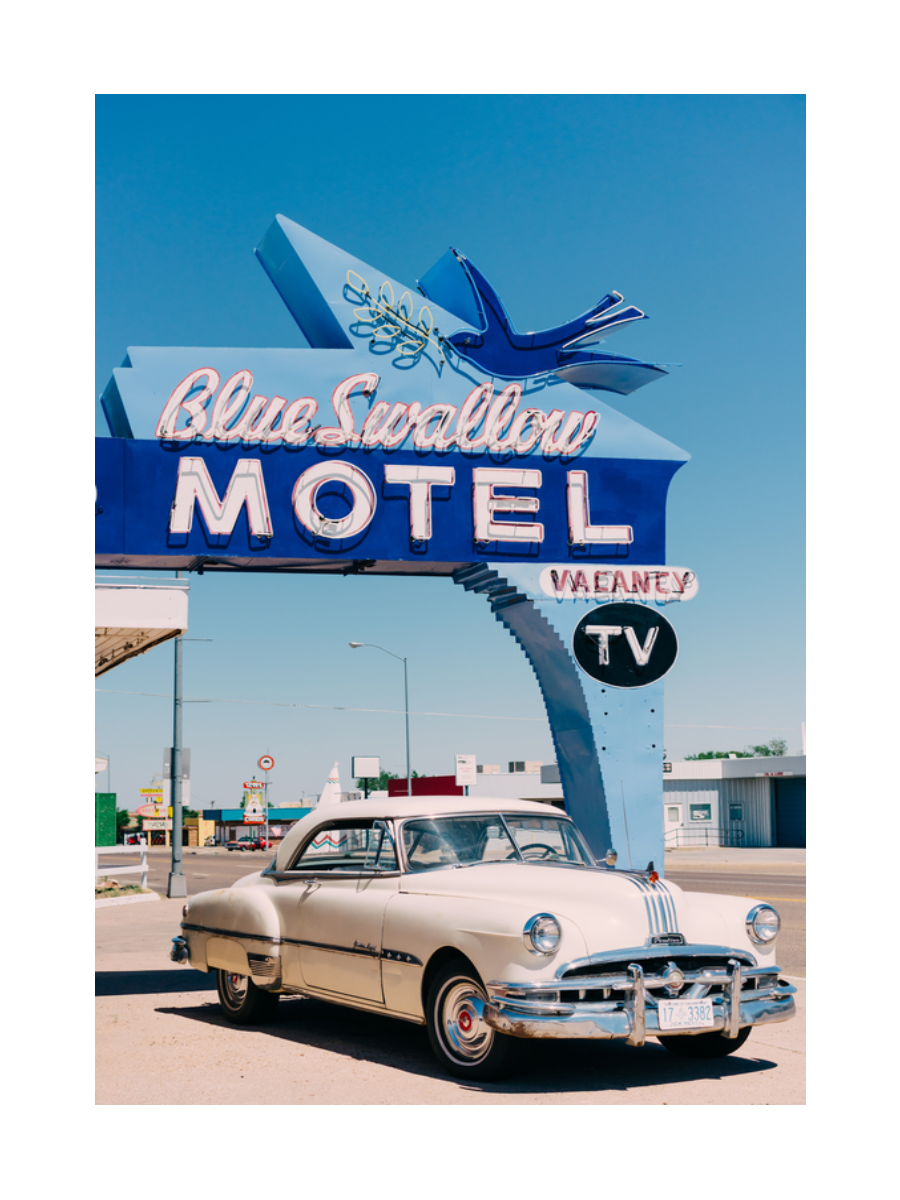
(703, 976)
(263, 965)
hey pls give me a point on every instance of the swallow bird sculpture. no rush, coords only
(489, 340)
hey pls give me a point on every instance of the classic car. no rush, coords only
(491, 923)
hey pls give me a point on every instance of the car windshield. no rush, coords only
(491, 837)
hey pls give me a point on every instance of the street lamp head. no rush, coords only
(356, 645)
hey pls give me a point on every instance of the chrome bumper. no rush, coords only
(536, 1010)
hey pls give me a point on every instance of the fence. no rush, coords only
(703, 837)
(112, 869)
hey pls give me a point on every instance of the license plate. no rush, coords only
(686, 1014)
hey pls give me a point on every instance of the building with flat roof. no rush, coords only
(735, 802)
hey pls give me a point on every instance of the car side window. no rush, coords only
(347, 846)
(381, 855)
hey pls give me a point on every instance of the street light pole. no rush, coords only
(359, 645)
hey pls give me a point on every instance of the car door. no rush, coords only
(340, 884)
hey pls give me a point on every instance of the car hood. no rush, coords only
(611, 908)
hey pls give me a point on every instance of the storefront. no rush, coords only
(736, 802)
(228, 824)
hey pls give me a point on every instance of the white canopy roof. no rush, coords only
(133, 614)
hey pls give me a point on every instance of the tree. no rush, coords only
(775, 748)
(772, 749)
(380, 784)
(717, 754)
(123, 820)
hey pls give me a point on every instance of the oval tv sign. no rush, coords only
(624, 645)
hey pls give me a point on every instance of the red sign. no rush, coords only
(255, 785)
(267, 762)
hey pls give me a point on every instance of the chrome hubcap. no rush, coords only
(466, 1035)
(235, 989)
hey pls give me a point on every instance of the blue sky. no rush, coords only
(692, 206)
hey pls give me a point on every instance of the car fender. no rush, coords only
(712, 919)
(222, 927)
(489, 934)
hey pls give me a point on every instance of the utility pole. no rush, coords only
(177, 883)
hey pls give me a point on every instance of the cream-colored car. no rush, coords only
(491, 923)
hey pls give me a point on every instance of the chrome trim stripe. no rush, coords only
(669, 902)
(401, 956)
(658, 903)
(235, 933)
(337, 873)
(358, 951)
(655, 916)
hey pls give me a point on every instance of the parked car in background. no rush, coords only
(241, 843)
(491, 923)
(248, 842)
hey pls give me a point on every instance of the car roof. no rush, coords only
(402, 807)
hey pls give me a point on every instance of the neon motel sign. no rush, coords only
(421, 436)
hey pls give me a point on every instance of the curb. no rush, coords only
(126, 900)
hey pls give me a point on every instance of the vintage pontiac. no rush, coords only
(491, 923)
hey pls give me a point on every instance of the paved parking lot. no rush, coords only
(163, 1019)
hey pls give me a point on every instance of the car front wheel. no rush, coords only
(705, 1045)
(242, 1002)
(464, 1045)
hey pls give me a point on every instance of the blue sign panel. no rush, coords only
(163, 505)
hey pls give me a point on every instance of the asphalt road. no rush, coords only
(783, 885)
(203, 869)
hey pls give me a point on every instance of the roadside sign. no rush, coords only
(150, 810)
(466, 770)
(160, 823)
(365, 768)
(254, 785)
(267, 762)
(254, 814)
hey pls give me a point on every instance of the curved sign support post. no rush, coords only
(421, 434)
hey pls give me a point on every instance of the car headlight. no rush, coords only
(763, 924)
(542, 934)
